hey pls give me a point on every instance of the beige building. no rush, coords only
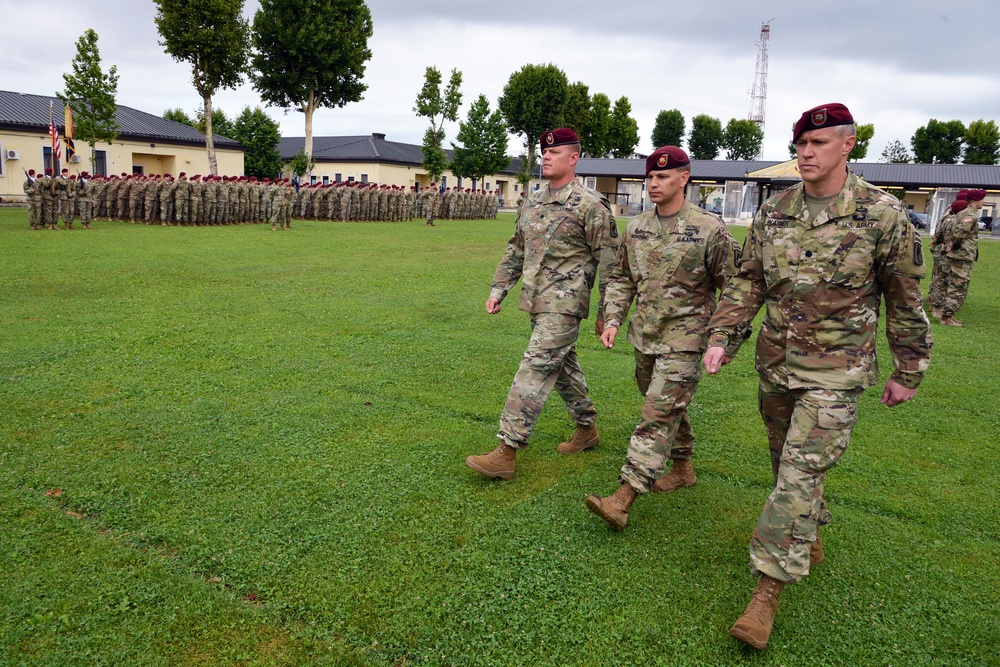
(146, 144)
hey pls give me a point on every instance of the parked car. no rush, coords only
(986, 223)
(714, 209)
(919, 220)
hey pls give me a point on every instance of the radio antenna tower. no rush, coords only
(758, 93)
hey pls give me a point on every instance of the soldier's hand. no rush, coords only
(598, 327)
(492, 305)
(896, 393)
(715, 358)
(608, 337)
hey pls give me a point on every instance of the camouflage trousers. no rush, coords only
(956, 286)
(549, 362)
(939, 273)
(807, 431)
(668, 381)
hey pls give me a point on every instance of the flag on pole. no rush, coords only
(54, 135)
(68, 134)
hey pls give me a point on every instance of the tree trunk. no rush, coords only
(309, 108)
(213, 165)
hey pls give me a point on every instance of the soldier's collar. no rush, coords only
(560, 195)
(842, 205)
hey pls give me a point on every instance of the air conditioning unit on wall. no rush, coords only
(13, 154)
(75, 159)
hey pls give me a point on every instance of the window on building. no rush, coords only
(48, 162)
(326, 179)
(487, 186)
(337, 178)
(350, 178)
(590, 182)
(3, 159)
(138, 169)
(364, 178)
(458, 184)
(100, 163)
(516, 186)
(474, 186)
(312, 179)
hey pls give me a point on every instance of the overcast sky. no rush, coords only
(896, 63)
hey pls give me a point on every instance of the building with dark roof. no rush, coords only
(146, 144)
(374, 159)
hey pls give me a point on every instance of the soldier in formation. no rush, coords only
(816, 348)
(672, 261)
(961, 250)
(558, 268)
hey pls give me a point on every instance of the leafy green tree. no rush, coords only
(484, 143)
(669, 129)
(437, 105)
(178, 115)
(259, 134)
(938, 142)
(594, 140)
(706, 137)
(982, 142)
(623, 134)
(742, 139)
(895, 153)
(213, 37)
(302, 163)
(310, 54)
(90, 92)
(533, 102)
(577, 111)
(221, 124)
(864, 136)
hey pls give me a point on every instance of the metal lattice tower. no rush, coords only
(758, 93)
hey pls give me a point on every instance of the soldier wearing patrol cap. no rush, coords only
(672, 261)
(820, 256)
(563, 234)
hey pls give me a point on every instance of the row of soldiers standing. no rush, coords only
(220, 200)
(154, 199)
(457, 204)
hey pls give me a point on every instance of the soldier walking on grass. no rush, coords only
(565, 232)
(672, 261)
(962, 250)
(820, 256)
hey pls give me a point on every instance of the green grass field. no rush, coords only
(229, 446)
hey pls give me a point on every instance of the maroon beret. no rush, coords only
(48, 172)
(667, 157)
(31, 172)
(825, 115)
(958, 205)
(181, 175)
(976, 195)
(560, 136)
(72, 177)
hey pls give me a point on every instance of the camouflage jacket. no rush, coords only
(940, 236)
(821, 283)
(673, 273)
(962, 237)
(560, 238)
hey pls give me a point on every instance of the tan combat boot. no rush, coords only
(584, 437)
(936, 313)
(681, 474)
(816, 555)
(498, 463)
(614, 509)
(950, 321)
(754, 626)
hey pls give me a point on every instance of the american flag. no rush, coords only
(54, 135)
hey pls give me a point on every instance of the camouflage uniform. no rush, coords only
(962, 249)
(821, 281)
(559, 241)
(49, 209)
(182, 200)
(85, 201)
(673, 269)
(33, 191)
(280, 202)
(940, 269)
(431, 201)
(168, 188)
(65, 193)
(136, 193)
(152, 198)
